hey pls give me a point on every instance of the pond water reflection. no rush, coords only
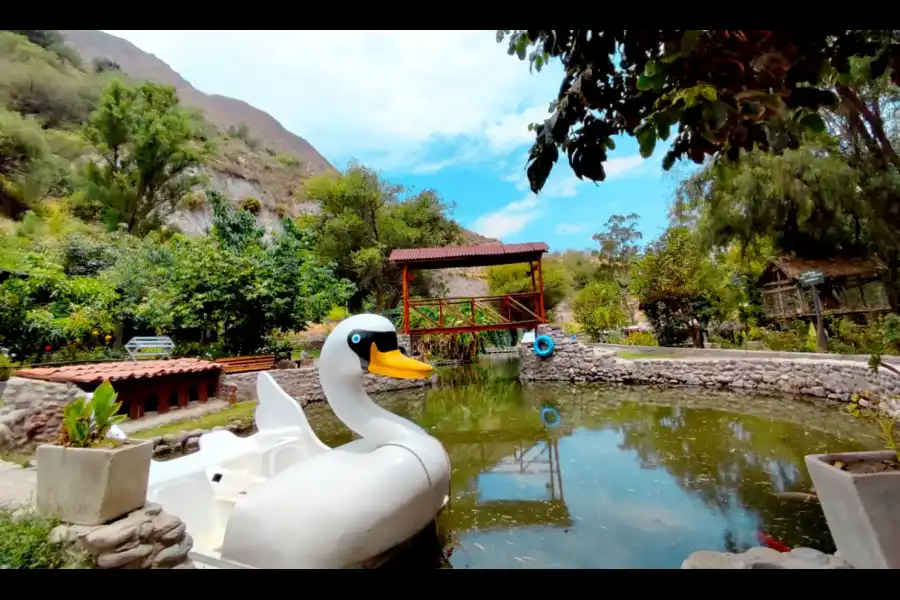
(632, 477)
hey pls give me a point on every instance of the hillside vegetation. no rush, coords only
(95, 168)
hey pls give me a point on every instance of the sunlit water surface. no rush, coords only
(631, 477)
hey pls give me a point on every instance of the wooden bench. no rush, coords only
(247, 364)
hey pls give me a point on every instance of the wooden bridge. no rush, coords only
(480, 313)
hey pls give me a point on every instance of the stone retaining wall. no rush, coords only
(189, 441)
(147, 538)
(303, 385)
(833, 379)
(31, 411)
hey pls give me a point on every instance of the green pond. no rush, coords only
(629, 477)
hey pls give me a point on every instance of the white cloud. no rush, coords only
(500, 224)
(383, 97)
(510, 219)
(569, 228)
(616, 167)
(529, 201)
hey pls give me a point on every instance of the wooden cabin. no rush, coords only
(851, 287)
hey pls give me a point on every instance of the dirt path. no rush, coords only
(17, 485)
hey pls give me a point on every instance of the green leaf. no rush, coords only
(709, 93)
(651, 68)
(610, 144)
(813, 122)
(647, 141)
(104, 394)
(644, 83)
(662, 130)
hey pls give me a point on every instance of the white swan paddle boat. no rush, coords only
(282, 499)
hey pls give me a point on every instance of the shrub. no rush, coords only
(25, 543)
(6, 366)
(194, 200)
(600, 306)
(795, 339)
(337, 313)
(287, 160)
(613, 337)
(890, 331)
(848, 337)
(283, 210)
(251, 205)
(83, 255)
(641, 338)
(103, 64)
(242, 133)
(280, 347)
(54, 97)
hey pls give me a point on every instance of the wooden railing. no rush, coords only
(479, 313)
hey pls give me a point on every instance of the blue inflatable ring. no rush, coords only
(550, 416)
(543, 346)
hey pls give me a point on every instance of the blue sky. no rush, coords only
(446, 110)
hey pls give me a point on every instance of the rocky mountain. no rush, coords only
(221, 111)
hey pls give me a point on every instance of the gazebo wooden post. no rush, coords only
(130, 396)
(405, 300)
(184, 393)
(540, 274)
(163, 395)
(202, 389)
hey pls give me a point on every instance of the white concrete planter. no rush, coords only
(863, 511)
(92, 486)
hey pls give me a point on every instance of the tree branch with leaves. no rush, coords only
(723, 90)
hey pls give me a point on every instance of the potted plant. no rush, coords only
(860, 493)
(85, 477)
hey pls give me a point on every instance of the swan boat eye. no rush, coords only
(361, 342)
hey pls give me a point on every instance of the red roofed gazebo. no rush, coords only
(447, 315)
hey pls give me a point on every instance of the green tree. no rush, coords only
(619, 245)
(149, 155)
(514, 279)
(580, 267)
(601, 306)
(363, 219)
(236, 230)
(724, 90)
(231, 287)
(678, 286)
(47, 310)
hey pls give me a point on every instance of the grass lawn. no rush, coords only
(16, 458)
(635, 355)
(295, 355)
(242, 410)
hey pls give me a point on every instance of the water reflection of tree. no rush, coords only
(734, 463)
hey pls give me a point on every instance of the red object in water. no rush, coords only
(769, 542)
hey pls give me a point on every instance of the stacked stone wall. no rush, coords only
(823, 378)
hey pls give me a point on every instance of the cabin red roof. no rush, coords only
(468, 256)
(118, 371)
